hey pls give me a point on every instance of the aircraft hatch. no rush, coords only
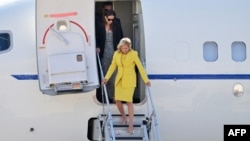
(65, 47)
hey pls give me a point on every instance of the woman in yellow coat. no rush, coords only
(125, 59)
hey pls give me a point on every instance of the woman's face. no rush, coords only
(109, 19)
(124, 49)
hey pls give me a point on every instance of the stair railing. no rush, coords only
(153, 117)
(109, 115)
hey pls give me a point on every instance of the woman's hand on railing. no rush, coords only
(148, 83)
(104, 81)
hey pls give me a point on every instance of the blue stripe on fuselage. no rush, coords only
(161, 76)
(25, 76)
(198, 76)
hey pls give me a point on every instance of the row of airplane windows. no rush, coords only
(238, 51)
(210, 49)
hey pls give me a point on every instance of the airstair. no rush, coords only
(120, 131)
(108, 127)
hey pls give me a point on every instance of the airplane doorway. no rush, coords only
(130, 14)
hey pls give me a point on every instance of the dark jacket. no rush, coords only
(101, 35)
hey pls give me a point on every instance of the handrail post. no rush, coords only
(107, 101)
(154, 110)
(154, 114)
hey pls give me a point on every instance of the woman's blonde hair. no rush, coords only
(124, 41)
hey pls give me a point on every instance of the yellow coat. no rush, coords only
(126, 71)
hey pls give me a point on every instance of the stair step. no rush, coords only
(136, 115)
(135, 125)
(121, 132)
(138, 119)
(130, 138)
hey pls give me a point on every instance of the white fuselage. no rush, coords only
(194, 98)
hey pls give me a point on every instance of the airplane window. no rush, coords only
(210, 51)
(238, 51)
(5, 43)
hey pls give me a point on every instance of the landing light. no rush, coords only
(238, 90)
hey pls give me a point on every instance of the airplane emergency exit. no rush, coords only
(65, 47)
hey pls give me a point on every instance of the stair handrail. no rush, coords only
(107, 100)
(153, 114)
(156, 124)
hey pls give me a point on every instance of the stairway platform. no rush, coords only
(121, 133)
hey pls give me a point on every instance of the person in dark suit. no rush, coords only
(108, 34)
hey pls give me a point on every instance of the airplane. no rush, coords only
(195, 53)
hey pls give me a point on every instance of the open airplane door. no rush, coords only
(65, 40)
